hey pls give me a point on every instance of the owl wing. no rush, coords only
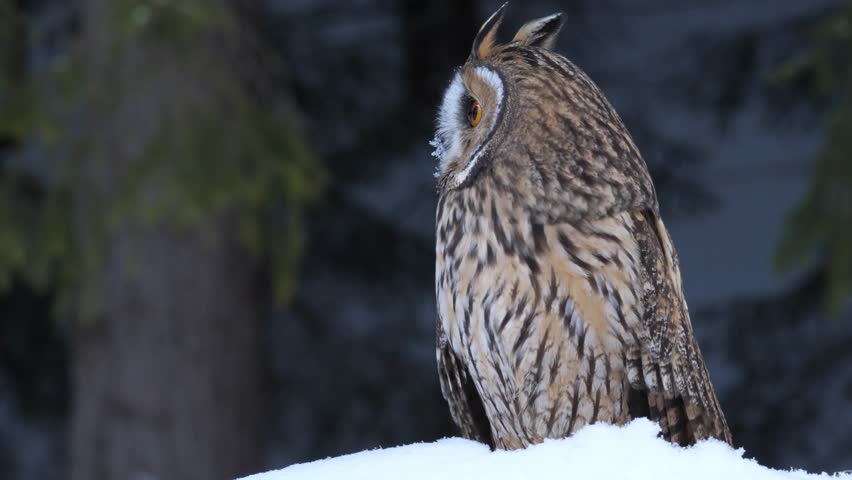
(669, 381)
(458, 389)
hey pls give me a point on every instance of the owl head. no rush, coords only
(533, 124)
(476, 102)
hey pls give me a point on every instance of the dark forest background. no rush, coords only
(216, 220)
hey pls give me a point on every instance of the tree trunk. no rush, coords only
(166, 383)
(166, 377)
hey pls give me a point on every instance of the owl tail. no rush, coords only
(682, 419)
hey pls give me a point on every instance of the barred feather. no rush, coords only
(558, 288)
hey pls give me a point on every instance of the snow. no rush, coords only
(596, 452)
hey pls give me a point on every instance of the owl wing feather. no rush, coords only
(668, 377)
(466, 405)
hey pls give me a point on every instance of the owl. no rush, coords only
(558, 288)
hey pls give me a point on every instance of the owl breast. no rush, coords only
(543, 316)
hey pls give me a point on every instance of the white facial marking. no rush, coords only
(493, 80)
(447, 141)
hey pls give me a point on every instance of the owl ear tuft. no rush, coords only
(485, 39)
(541, 32)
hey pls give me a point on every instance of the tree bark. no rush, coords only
(166, 378)
(166, 383)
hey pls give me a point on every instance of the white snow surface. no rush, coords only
(596, 452)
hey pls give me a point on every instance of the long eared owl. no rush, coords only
(558, 288)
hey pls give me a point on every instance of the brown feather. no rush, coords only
(560, 302)
(465, 404)
(694, 404)
(541, 32)
(486, 39)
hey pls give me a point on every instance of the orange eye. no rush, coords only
(474, 113)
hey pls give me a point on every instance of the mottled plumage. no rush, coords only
(558, 289)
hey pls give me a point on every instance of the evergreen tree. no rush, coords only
(161, 198)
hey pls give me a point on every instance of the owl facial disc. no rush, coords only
(459, 146)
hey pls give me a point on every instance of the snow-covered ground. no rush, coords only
(597, 452)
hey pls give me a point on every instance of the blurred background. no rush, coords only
(216, 220)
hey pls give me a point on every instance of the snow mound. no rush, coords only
(595, 452)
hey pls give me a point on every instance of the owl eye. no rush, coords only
(474, 113)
